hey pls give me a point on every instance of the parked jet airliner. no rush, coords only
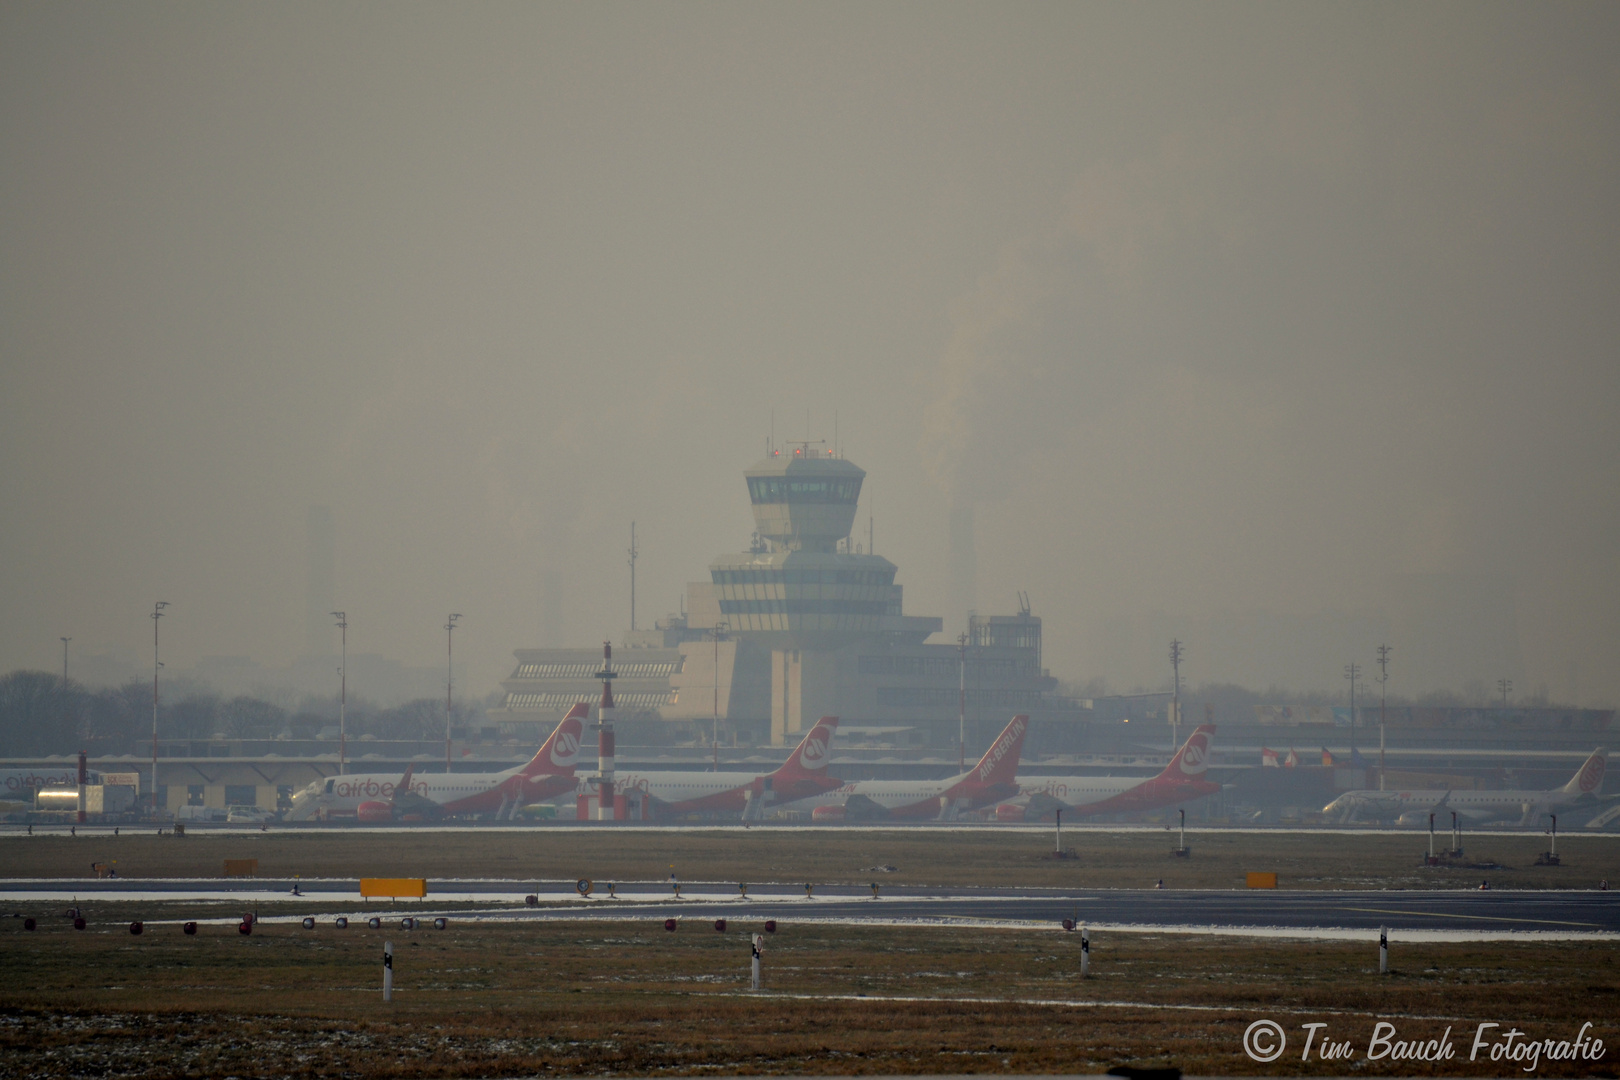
(803, 774)
(387, 797)
(870, 800)
(1182, 781)
(1584, 788)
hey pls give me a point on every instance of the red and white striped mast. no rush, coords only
(604, 744)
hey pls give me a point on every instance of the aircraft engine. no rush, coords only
(375, 812)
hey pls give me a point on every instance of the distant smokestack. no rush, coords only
(320, 588)
(964, 565)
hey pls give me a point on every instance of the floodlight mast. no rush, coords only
(343, 693)
(449, 681)
(1176, 652)
(1383, 698)
(157, 613)
(961, 704)
(1352, 672)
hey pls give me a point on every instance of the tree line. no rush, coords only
(40, 715)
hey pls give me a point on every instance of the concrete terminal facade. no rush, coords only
(806, 624)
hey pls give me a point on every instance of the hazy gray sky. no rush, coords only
(1274, 327)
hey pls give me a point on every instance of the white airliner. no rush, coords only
(804, 773)
(874, 800)
(1182, 781)
(1584, 788)
(389, 797)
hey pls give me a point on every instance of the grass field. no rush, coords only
(625, 997)
(987, 856)
(526, 998)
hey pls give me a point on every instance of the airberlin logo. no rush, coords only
(815, 752)
(1192, 758)
(371, 789)
(1592, 774)
(999, 751)
(565, 749)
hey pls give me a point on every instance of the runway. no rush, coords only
(1291, 912)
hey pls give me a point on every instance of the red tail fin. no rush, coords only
(1193, 757)
(1588, 779)
(1000, 763)
(810, 757)
(404, 784)
(559, 753)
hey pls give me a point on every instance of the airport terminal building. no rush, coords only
(803, 624)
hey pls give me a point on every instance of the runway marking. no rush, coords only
(1072, 1004)
(1481, 918)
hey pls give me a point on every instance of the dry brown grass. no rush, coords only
(534, 997)
(986, 856)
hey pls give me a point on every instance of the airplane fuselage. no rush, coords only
(703, 792)
(910, 798)
(1115, 794)
(453, 793)
(1472, 805)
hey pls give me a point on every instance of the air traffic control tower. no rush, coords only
(804, 592)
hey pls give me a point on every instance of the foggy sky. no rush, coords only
(1283, 329)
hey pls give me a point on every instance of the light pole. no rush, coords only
(343, 691)
(1505, 686)
(1175, 696)
(1383, 697)
(1352, 672)
(65, 717)
(449, 681)
(157, 613)
(719, 628)
(633, 553)
(961, 703)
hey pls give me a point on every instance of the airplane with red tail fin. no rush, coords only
(729, 793)
(988, 782)
(1182, 781)
(383, 797)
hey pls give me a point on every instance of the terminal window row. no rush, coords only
(810, 607)
(562, 700)
(802, 577)
(588, 671)
(779, 489)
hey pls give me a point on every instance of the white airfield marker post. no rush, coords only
(758, 944)
(1085, 952)
(388, 971)
(1383, 950)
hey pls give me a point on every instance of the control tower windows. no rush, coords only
(780, 489)
(802, 577)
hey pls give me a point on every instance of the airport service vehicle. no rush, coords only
(803, 774)
(249, 814)
(942, 800)
(385, 797)
(1182, 781)
(1413, 807)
